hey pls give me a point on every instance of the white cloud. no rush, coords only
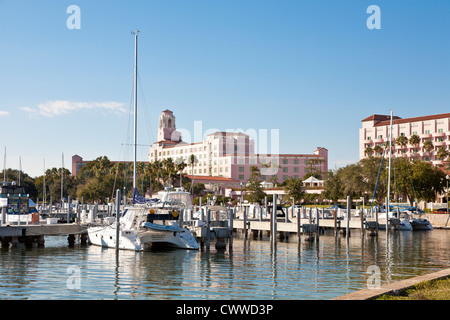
(4, 113)
(59, 107)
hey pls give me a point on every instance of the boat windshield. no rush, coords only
(183, 197)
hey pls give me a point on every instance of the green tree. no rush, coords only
(254, 188)
(378, 150)
(414, 140)
(332, 186)
(368, 151)
(294, 188)
(428, 146)
(401, 141)
(442, 153)
(427, 180)
(25, 180)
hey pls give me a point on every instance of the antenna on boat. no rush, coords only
(389, 174)
(136, 33)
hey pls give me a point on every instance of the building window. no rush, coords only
(241, 169)
(241, 177)
(285, 169)
(296, 161)
(427, 131)
(369, 138)
(440, 130)
(296, 169)
(285, 161)
(285, 178)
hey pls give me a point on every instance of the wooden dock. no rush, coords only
(13, 235)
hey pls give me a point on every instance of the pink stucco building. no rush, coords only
(231, 155)
(433, 128)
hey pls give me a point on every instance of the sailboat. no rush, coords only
(145, 222)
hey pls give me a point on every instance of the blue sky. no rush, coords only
(311, 69)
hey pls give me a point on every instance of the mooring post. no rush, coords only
(298, 224)
(230, 227)
(318, 223)
(333, 212)
(265, 209)
(117, 219)
(208, 226)
(348, 215)
(245, 221)
(68, 209)
(274, 220)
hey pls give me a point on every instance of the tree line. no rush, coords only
(410, 180)
(98, 179)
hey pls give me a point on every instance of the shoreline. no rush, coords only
(367, 294)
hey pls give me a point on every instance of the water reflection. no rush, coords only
(254, 269)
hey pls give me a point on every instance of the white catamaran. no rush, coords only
(147, 222)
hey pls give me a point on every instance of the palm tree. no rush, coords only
(378, 149)
(414, 140)
(180, 165)
(401, 141)
(442, 153)
(428, 145)
(368, 151)
(192, 160)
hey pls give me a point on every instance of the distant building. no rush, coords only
(434, 128)
(231, 155)
(77, 164)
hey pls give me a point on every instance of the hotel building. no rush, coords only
(434, 128)
(231, 155)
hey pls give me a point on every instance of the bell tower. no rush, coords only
(167, 128)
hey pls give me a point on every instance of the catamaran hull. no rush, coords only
(421, 224)
(170, 239)
(106, 237)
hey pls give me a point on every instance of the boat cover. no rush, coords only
(137, 198)
(161, 227)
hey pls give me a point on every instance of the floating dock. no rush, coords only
(14, 235)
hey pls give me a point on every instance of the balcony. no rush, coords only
(379, 140)
(439, 143)
(425, 136)
(439, 134)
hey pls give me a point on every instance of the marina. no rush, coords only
(244, 204)
(253, 269)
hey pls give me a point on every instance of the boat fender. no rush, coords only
(152, 211)
(175, 213)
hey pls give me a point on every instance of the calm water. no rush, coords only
(323, 270)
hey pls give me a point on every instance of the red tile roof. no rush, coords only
(212, 178)
(384, 120)
(415, 119)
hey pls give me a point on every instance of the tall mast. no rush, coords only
(389, 173)
(135, 106)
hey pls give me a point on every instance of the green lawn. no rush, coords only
(429, 290)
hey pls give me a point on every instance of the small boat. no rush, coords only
(404, 220)
(417, 220)
(138, 231)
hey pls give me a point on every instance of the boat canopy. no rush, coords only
(137, 198)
